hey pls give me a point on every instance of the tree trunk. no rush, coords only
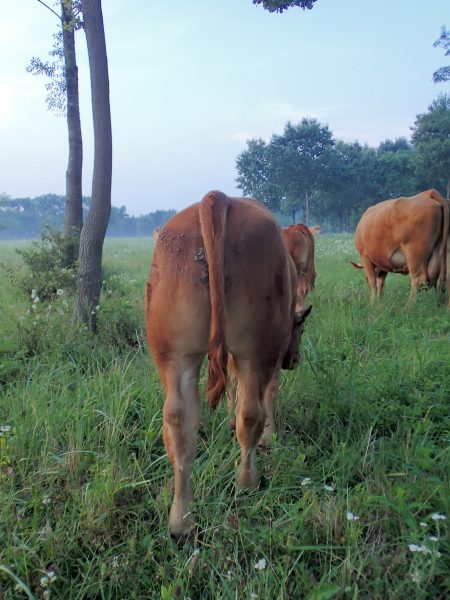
(94, 230)
(306, 208)
(448, 189)
(293, 213)
(73, 214)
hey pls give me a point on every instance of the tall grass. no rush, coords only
(354, 492)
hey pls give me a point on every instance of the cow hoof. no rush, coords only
(180, 533)
(264, 446)
(267, 438)
(248, 480)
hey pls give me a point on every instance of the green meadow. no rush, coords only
(354, 496)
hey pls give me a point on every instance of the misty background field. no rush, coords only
(354, 499)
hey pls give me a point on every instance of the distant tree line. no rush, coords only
(27, 217)
(305, 174)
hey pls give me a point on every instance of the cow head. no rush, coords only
(292, 357)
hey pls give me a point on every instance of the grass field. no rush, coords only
(354, 498)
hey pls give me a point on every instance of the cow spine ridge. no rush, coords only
(213, 215)
(445, 231)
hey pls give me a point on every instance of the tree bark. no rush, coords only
(94, 229)
(306, 208)
(73, 214)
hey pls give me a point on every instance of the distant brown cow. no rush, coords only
(155, 234)
(405, 235)
(315, 230)
(300, 243)
(222, 283)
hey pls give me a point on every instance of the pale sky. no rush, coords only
(192, 80)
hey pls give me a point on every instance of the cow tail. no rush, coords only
(445, 231)
(213, 215)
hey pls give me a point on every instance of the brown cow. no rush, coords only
(315, 230)
(405, 235)
(213, 291)
(155, 234)
(300, 243)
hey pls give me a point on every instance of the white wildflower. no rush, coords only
(306, 481)
(438, 517)
(416, 577)
(44, 581)
(433, 538)
(423, 549)
(60, 292)
(5, 429)
(352, 517)
(46, 500)
(115, 561)
(328, 488)
(33, 294)
(422, 524)
(51, 576)
(261, 564)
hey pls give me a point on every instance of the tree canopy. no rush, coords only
(330, 181)
(431, 138)
(281, 5)
(443, 73)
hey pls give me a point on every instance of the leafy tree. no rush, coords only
(351, 185)
(94, 229)
(63, 96)
(443, 74)
(280, 5)
(401, 144)
(396, 169)
(300, 157)
(255, 177)
(431, 139)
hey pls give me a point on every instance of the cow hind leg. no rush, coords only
(381, 278)
(181, 420)
(270, 397)
(371, 277)
(250, 416)
(419, 276)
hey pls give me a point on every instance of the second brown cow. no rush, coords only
(300, 243)
(405, 235)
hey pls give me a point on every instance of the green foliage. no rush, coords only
(254, 167)
(281, 5)
(304, 168)
(443, 74)
(85, 481)
(54, 69)
(431, 137)
(47, 274)
(285, 172)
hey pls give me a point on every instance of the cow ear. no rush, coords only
(300, 317)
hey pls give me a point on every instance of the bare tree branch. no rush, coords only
(50, 9)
